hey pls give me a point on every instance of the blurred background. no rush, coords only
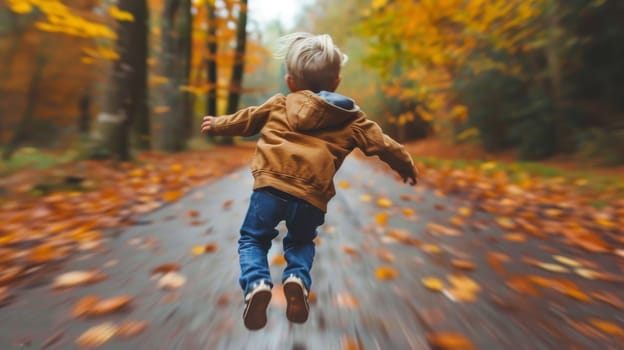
(103, 78)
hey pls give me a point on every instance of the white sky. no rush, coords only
(263, 11)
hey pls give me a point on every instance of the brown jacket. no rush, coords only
(304, 139)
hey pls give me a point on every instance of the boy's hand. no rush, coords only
(207, 124)
(411, 180)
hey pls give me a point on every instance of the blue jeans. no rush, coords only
(267, 208)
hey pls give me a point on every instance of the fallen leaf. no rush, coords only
(496, 260)
(407, 212)
(607, 327)
(84, 306)
(349, 250)
(384, 273)
(97, 335)
(131, 328)
(609, 298)
(366, 198)
(431, 248)
(171, 281)
(463, 264)
(227, 204)
(433, 283)
(515, 237)
(350, 343)
(347, 301)
(77, 278)
(566, 261)
(449, 341)
(506, 223)
(109, 305)
(192, 213)
(279, 259)
(384, 203)
(344, 184)
(381, 218)
(443, 230)
(164, 268)
(172, 196)
(587, 273)
(464, 211)
(552, 267)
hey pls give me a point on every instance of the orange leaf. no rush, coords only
(607, 327)
(279, 260)
(227, 204)
(109, 305)
(97, 335)
(344, 184)
(172, 196)
(382, 218)
(443, 230)
(609, 298)
(515, 237)
(131, 328)
(449, 341)
(84, 305)
(463, 264)
(506, 223)
(384, 273)
(164, 268)
(347, 301)
(350, 343)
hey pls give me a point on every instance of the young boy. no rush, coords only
(304, 138)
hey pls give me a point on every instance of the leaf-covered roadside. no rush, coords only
(40, 228)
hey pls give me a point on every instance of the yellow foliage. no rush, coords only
(120, 15)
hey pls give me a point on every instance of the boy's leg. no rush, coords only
(264, 213)
(302, 221)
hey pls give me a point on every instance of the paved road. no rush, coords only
(352, 305)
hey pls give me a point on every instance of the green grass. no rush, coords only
(517, 170)
(33, 158)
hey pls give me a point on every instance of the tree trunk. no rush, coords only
(211, 61)
(236, 82)
(175, 65)
(33, 93)
(141, 126)
(126, 96)
(7, 60)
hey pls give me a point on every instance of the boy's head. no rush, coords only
(312, 61)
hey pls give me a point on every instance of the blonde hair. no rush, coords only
(313, 61)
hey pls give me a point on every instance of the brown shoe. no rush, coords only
(297, 307)
(256, 304)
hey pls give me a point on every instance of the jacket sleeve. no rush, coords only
(246, 122)
(373, 142)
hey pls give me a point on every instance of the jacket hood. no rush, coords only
(306, 110)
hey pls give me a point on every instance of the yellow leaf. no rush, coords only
(171, 196)
(566, 261)
(506, 223)
(120, 15)
(587, 273)
(552, 267)
(409, 212)
(384, 203)
(463, 211)
(344, 184)
(366, 198)
(198, 250)
(20, 7)
(433, 283)
(431, 248)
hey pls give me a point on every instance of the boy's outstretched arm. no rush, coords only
(245, 122)
(373, 142)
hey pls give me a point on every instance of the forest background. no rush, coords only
(103, 79)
